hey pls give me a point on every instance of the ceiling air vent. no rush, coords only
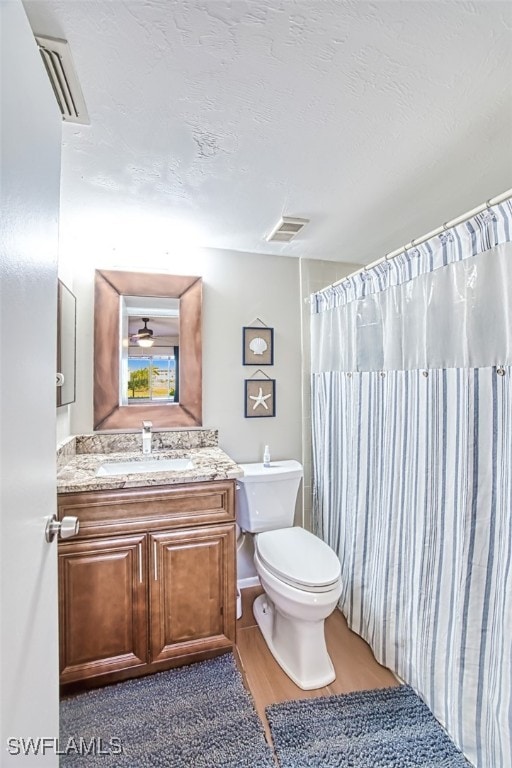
(59, 65)
(287, 229)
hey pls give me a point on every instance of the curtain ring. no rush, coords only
(488, 204)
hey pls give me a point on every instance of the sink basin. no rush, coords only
(147, 465)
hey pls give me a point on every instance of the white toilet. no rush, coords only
(298, 571)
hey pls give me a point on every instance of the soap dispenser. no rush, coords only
(266, 457)
(146, 437)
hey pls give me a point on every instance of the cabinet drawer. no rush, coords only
(104, 513)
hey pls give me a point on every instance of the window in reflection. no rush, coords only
(153, 378)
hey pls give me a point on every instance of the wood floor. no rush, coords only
(355, 665)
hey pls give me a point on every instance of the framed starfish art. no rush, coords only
(260, 398)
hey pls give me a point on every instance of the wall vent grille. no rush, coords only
(286, 229)
(61, 71)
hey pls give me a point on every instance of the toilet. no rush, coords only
(300, 574)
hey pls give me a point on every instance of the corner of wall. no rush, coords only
(314, 275)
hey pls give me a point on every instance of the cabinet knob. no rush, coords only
(65, 528)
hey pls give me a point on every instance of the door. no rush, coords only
(192, 591)
(31, 146)
(103, 606)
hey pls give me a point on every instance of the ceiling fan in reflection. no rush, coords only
(144, 336)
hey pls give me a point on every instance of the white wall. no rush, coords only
(237, 289)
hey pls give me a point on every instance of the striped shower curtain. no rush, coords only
(412, 455)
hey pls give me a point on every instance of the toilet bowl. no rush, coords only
(300, 574)
(299, 595)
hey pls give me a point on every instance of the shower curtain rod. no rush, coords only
(417, 240)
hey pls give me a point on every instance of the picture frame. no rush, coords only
(258, 345)
(260, 398)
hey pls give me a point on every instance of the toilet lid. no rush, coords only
(298, 557)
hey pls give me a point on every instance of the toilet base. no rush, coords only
(298, 646)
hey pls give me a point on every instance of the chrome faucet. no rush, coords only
(146, 436)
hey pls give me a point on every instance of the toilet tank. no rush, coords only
(266, 496)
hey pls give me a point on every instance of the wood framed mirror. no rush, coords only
(110, 287)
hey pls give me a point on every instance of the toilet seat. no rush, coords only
(299, 559)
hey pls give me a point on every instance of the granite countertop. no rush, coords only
(78, 473)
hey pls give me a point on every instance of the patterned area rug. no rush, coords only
(199, 716)
(387, 728)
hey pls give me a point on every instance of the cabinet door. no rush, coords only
(103, 606)
(192, 591)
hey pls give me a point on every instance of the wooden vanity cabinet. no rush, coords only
(102, 606)
(189, 564)
(148, 584)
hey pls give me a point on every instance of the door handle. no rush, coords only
(64, 529)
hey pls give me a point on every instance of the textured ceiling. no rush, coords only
(209, 119)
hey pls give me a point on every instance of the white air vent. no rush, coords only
(287, 229)
(59, 65)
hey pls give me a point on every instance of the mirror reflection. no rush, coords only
(66, 345)
(150, 332)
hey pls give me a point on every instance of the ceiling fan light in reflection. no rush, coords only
(145, 335)
(145, 342)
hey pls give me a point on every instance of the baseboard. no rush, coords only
(249, 581)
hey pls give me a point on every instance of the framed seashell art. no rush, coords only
(258, 345)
